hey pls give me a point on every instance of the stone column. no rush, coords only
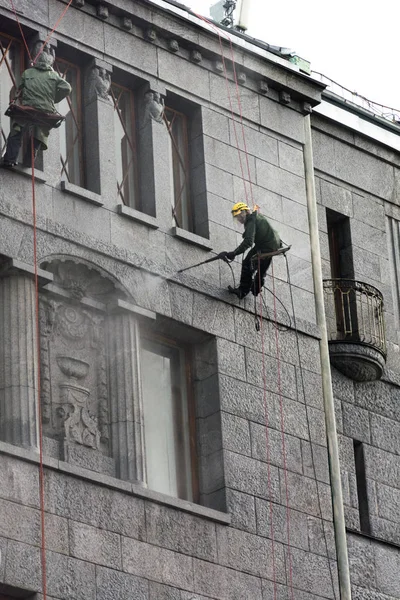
(98, 118)
(154, 164)
(18, 355)
(126, 409)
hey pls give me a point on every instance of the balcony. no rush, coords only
(356, 329)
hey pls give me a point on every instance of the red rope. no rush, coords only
(39, 412)
(33, 60)
(241, 118)
(282, 422)
(267, 444)
(53, 30)
(21, 30)
(217, 30)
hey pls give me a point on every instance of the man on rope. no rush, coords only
(264, 239)
(40, 89)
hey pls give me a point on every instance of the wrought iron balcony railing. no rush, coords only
(354, 314)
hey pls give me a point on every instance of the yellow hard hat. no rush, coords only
(238, 207)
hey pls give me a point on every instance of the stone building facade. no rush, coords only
(185, 453)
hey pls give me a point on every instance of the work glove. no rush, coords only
(227, 255)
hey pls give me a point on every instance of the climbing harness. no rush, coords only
(28, 114)
(257, 258)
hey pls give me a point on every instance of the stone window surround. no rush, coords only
(98, 110)
(195, 174)
(126, 487)
(122, 316)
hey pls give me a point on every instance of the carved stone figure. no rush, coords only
(154, 106)
(98, 84)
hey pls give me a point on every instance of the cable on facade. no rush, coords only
(37, 318)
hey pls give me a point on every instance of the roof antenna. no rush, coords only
(229, 6)
(232, 13)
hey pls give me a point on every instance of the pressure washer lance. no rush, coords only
(220, 256)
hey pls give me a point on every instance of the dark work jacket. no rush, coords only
(259, 232)
(41, 87)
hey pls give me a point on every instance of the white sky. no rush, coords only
(354, 42)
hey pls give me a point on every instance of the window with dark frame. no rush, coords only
(362, 493)
(187, 166)
(177, 124)
(71, 138)
(169, 418)
(11, 68)
(126, 146)
(340, 248)
(342, 268)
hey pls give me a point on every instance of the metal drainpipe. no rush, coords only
(331, 434)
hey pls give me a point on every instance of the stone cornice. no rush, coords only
(159, 27)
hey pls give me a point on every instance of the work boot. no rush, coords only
(12, 150)
(237, 291)
(7, 164)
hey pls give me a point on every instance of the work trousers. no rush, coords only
(250, 276)
(14, 142)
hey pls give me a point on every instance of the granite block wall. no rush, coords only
(358, 178)
(110, 538)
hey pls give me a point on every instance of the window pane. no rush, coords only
(166, 420)
(11, 67)
(125, 147)
(179, 159)
(71, 128)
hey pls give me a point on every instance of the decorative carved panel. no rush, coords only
(74, 374)
(73, 356)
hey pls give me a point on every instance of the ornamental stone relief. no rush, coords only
(74, 374)
(74, 385)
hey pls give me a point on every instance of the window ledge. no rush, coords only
(192, 238)
(134, 489)
(137, 215)
(75, 190)
(373, 538)
(122, 306)
(27, 172)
